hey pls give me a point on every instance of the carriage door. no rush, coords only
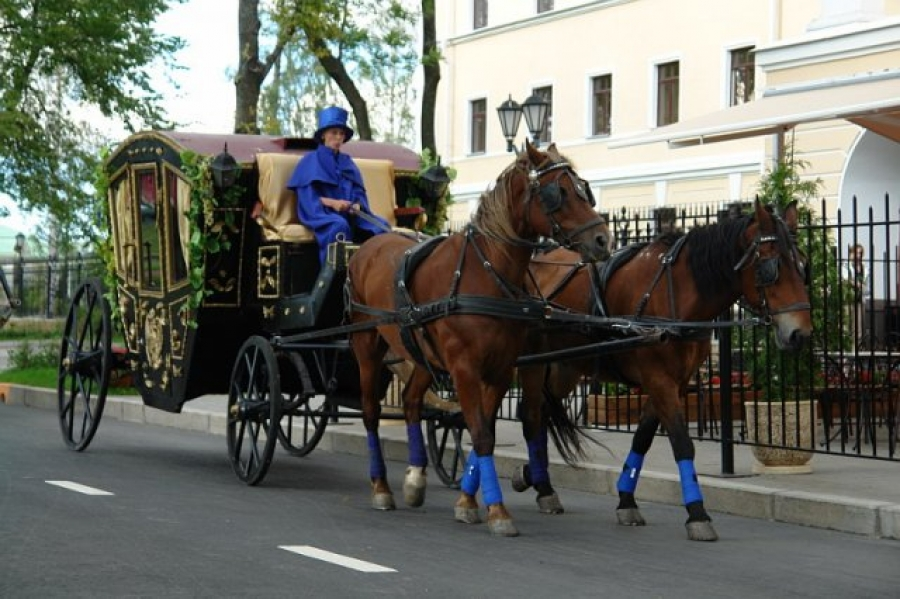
(152, 238)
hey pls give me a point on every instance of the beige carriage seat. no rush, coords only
(278, 217)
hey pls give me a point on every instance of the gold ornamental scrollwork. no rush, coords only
(154, 339)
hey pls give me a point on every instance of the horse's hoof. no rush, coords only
(518, 481)
(630, 517)
(414, 486)
(383, 502)
(550, 504)
(503, 528)
(467, 515)
(701, 531)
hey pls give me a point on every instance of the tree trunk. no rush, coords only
(252, 71)
(338, 73)
(431, 70)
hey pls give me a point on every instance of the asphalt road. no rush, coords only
(179, 524)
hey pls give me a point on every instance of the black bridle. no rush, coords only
(551, 197)
(766, 273)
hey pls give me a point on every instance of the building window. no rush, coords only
(480, 8)
(666, 94)
(546, 94)
(601, 100)
(479, 125)
(743, 76)
(544, 6)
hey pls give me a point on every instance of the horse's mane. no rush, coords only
(494, 215)
(714, 250)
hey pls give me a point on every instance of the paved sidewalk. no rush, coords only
(851, 495)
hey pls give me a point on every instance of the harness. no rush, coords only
(515, 304)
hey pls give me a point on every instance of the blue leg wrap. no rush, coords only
(690, 488)
(538, 460)
(628, 480)
(417, 455)
(471, 479)
(490, 485)
(376, 460)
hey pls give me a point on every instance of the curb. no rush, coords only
(730, 496)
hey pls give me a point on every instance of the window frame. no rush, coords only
(546, 92)
(745, 69)
(478, 135)
(607, 92)
(479, 14)
(543, 6)
(668, 89)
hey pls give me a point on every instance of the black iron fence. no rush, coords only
(45, 286)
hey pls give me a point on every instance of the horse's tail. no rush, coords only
(564, 431)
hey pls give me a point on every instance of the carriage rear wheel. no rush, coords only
(304, 414)
(85, 363)
(254, 410)
(445, 447)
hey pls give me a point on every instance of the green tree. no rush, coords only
(60, 59)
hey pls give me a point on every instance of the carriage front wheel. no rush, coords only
(445, 446)
(254, 410)
(85, 363)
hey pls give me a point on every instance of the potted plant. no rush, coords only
(782, 412)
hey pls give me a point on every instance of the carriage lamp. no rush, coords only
(19, 247)
(434, 182)
(224, 169)
(535, 109)
(510, 114)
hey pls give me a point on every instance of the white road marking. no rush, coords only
(335, 558)
(67, 484)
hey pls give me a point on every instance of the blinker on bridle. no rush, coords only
(552, 195)
(766, 275)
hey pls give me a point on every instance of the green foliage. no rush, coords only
(34, 355)
(207, 234)
(437, 214)
(361, 49)
(789, 374)
(57, 55)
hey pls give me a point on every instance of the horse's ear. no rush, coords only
(553, 152)
(763, 215)
(534, 155)
(791, 217)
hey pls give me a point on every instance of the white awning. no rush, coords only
(873, 103)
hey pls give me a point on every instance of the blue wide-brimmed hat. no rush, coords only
(333, 116)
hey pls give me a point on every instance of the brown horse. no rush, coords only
(691, 278)
(454, 304)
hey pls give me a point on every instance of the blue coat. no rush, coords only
(324, 173)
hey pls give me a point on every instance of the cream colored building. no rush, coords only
(618, 70)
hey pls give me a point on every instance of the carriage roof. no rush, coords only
(244, 148)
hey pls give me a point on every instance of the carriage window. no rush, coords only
(743, 75)
(667, 93)
(479, 10)
(178, 195)
(544, 5)
(601, 98)
(149, 229)
(125, 239)
(546, 93)
(479, 125)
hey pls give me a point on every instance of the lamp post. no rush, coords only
(535, 110)
(19, 267)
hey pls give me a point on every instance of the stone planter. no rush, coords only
(785, 430)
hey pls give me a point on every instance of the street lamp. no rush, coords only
(535, 109)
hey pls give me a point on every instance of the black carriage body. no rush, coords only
(263, 283)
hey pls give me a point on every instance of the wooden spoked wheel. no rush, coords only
(445, 447)
(85, 363)
(254, 410)
(304, 414)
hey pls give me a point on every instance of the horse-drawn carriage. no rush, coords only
(213, 273)
(208, 264)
